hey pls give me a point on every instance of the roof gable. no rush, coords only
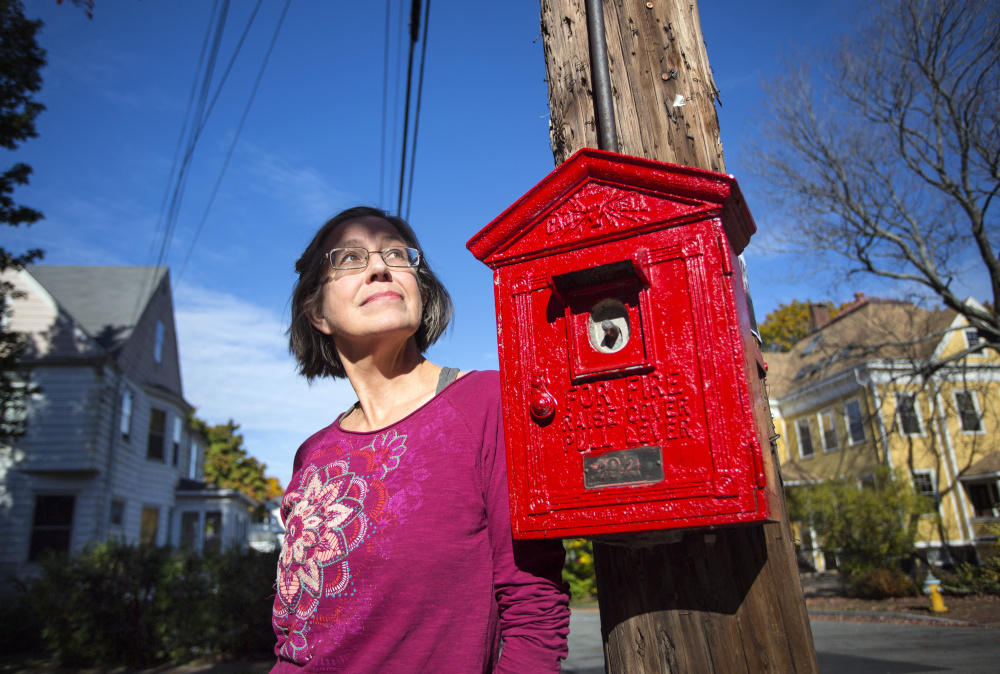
(875, 329)
(106, 301)
(596, 195)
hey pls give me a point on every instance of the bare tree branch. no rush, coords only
(887, 156)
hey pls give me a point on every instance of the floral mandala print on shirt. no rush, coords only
(324, 521)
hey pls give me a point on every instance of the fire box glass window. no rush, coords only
(805, 437)
(157, 431)
(909, 418)
(52, 525)
(985, 498)
(829, 430)
(855, 424)
(968, 412)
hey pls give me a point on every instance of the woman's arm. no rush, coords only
(527, 575)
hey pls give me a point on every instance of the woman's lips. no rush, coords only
(382, 296)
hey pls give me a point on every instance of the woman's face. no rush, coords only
(376, 302)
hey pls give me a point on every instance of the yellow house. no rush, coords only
(887, 383)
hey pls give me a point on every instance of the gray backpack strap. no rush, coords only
(448, 375)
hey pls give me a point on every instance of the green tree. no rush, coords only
(228, 464)
(870, 527)
(21, 61)
(788, 324)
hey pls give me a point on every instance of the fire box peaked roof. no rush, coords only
(603, 195)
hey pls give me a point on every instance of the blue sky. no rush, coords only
(116, 88)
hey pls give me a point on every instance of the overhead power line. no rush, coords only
(416, 116)
(414, 35)
(236, 137)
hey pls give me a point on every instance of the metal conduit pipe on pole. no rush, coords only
(604, 109)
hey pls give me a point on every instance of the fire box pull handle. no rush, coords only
(541, 402)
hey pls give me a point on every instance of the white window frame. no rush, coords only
(175, 445)
(969, 343)
(990, 485)
(975, 408)
(847, 422)
(158, 343)
(931, 473)
(828, 412)
(193, 454)
(916, 410)
(798, 435)
(125, 412)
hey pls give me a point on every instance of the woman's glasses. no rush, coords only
(357, 258)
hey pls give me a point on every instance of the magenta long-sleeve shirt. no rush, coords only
(398, 554)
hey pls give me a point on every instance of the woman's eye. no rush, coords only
(346, 257)
(394, 253)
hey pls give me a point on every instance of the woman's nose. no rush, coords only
(376, 264)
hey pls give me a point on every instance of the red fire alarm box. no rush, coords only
(632, 387)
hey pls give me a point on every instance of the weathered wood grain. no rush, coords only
(732, 603)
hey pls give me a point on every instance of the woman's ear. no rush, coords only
(317, 319)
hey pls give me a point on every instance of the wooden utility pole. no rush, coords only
(729, 600)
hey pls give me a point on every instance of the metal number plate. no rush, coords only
(638, 465)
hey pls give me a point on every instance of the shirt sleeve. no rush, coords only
(527, 574)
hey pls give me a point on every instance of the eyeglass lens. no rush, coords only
(357, 258)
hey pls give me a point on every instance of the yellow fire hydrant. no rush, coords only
(932, 587)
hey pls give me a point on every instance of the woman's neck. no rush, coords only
(389, 386)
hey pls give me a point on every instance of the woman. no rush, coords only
(398, 554)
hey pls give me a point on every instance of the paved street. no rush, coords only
(843, 647)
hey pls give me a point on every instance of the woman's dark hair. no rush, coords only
(315, 352)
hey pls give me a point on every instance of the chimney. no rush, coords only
(819, 315)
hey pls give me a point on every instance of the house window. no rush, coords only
(189, 530)
(15, 406)
(178, 428)
(117, 516)
(157, 431)
(52, 525)
(968, 411)
(213, 531)
(909, 415)
(926, 486)
(805, 438)
(150, 525)
(973, 338)
(829, 430)
(158, 346)
(855, 424)
(193, 458)
(985, 498)
(125, 425)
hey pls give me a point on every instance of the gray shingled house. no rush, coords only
(104, 448)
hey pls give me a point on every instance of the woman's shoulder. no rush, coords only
(484, 382)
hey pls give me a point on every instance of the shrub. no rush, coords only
(881, 584)
(22, 626)
(119, 604)
(578, 570)
(970, 579)
(870, 528)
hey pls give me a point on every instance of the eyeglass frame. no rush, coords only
(368, 254)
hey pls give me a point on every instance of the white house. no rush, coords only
(104, 448)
